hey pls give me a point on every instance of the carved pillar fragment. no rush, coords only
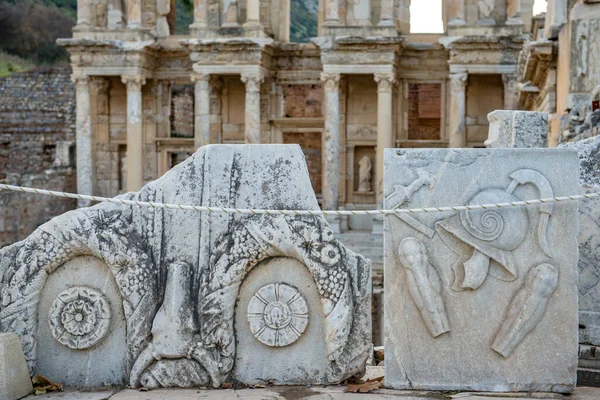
(201, 110)
(457, 136)
(331, 142)
(85, 149)
(385, 134)
(134, 84)
(252, 118)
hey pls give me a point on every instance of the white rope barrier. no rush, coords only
(395, 211)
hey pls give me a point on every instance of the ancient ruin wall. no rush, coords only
(37, 137)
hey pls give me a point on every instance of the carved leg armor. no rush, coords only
(424, 285)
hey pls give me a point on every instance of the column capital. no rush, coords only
(200, 77)
(458, 81)
(101, 85)
(80, 79)
(330, 81)
(252, 81)
(385, 81)
(134, 82)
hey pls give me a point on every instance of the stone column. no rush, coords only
(331, 142)
(135, 179)
(200, 14)
(456, 12)
(514, 13)
(332, 12)
(84, 14)
(457, 136)
(134, 14)
(510, 98)
(385, 134)
(252, 118)
(84, 147)
(386, 18)
(201, 110)
(253, 13)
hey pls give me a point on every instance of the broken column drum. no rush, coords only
(491, 292)
(161, 298)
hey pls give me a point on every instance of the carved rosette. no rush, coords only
(79, 317)
(278, 315)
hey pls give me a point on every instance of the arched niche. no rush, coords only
(81, 326)
(275, 288)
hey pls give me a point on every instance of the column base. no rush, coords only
(514, 21)
(457, 22)
(386, 22)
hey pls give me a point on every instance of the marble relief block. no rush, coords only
(115, 294)
(482, 300)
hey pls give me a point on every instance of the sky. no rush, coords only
(426, 15)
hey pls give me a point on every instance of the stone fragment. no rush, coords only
(589, 240)
(171, 298)
(517, 129)
(14, 377)
(485, 299)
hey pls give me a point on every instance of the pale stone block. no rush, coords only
(589, 240)
(173, 298)
(482, 300)
(14, 377)
(517, 129)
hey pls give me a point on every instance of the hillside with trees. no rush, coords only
(29, 29)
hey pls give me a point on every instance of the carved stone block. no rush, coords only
(517, 129)
(484, 299)
(115, 294)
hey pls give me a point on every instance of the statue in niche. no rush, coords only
(484, 240)
(485, 8)
(231, 15)
(365, 174)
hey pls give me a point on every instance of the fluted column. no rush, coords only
(253, 13)
(200, 14)
(134, 14)
(332, 12)
(457, 130)
(385, 134)
(386, 17)
(456, 12)
(252, 119)
(331, 149)
(85, 149)
(510, 98)
(135, 179)
(201, 110)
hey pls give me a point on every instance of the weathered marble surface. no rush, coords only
(517, 129)
(486, 299)
(14, 377)
(589, 240)
(177, 275)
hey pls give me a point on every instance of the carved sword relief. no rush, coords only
(484, 240)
